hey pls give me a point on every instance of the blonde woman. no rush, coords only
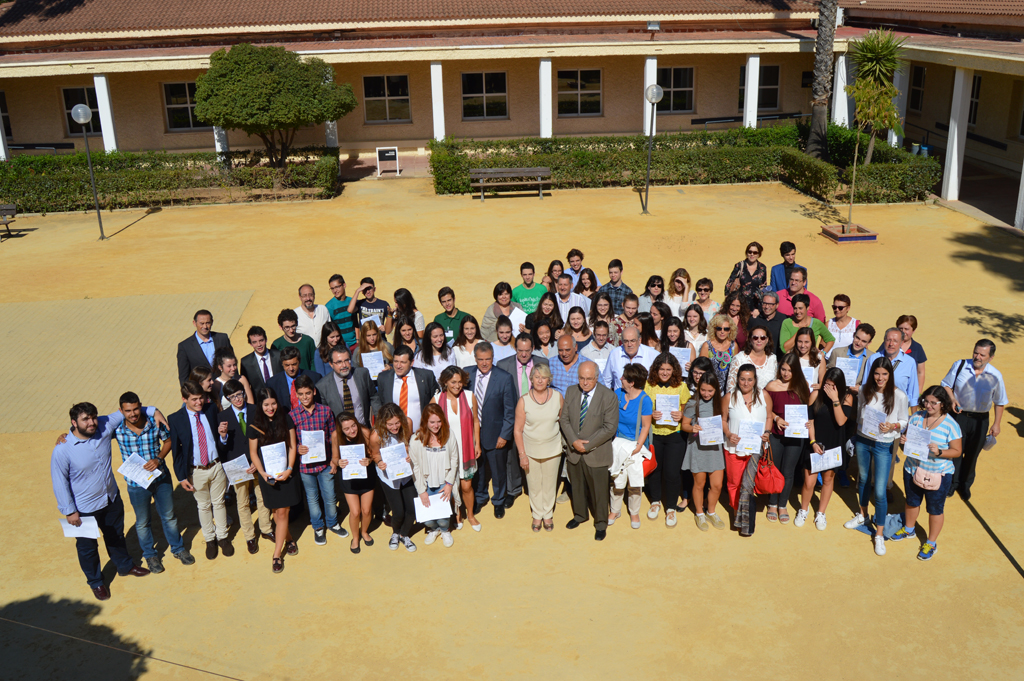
(721, 346)
(372, 340)
(539, 442)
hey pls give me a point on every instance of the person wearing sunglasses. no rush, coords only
(748, 277)
(842, 326)
(654, 292)
(759, 352)
(721, 346)
(707, 306)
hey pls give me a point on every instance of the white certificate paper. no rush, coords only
(811, 375)
(237, 470)
(88, 529)
(132, 468)
(918, 439)
(831, 458)
(275, 458)
(601, 364)
(314, 440)
(376, 320)
(872, 418)
(850, 366)
(439, 509)
(354, 454)
(796, 417)
(374, 363)
(710, 431)
(682, 354)
(750, 437)
(666, 404)
(517, 317)
(397, 467)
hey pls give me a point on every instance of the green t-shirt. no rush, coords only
(821, 332)
(451, 324)
(345, 320)
(528, 298)
(305, 346)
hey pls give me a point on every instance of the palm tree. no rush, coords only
(876, 58)
(817, 141)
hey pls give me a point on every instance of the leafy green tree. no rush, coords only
(875, 110)
(821, 87)
(270, 93)
(876, 58)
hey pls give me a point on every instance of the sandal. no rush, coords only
(549, 525)
(783, 516)
(772, 515)
(277, 565)
(536, 525)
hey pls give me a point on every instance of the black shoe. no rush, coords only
(499, 512)
(509, 501)
(155, 565)
(252, 545)
(476, 507)
(211, 550)
(599, 535)
(225, 547)
(269, 536)
(572, 524)
(185, 557)
(338, 530)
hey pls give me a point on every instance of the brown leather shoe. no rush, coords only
(226, 548)
(252, 545)
(211, 550)
(269, 536)
(102, 593)
(136, 572)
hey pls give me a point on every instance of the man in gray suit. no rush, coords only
(589, 420)
(519, 365)
(348, 388)
(408, 387)
(496, 407)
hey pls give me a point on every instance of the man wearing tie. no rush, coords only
(195, 450)
(262, 363)
(283, 384)
(409, 387)
(590, 418)
(348, 388)
(197, 350)
(494, 393)
(519, 367)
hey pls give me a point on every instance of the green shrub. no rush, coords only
(911, 180)
(809, 174)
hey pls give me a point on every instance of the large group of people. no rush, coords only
(567, 390)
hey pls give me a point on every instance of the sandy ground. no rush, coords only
(507, 603)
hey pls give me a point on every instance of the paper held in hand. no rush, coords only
(681, 354)
(376, 320)
(918, 439)
(439, 509)
(811, 375)
(89, 529)
(850, 366)
(831, 458)
(353, 454)
(373, 362)
(796, 417)
(132, 468)
(518, 318)
(397, 467)
(750, 437)
(237, 470)
(314, 440)
(710, 431)
(275, 458)
(872, 419)
(666, 404)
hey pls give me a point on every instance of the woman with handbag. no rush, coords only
(745, 403)
(931, 478)
(882, 415)
(628, 450)
(790, 387)
(831, 409)
(663, 485)
(749, 277)
(705, 462)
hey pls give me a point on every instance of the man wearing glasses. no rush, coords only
(772, 319)
(798, 285)
(630, 352)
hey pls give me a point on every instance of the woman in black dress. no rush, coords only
(271, 426)
(358, 491)
(830, 410)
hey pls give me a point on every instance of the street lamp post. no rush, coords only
(82, 115)
(652, 94)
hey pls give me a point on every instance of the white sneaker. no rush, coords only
(854, 522)
(431, 537)
(652, 513)
(446, 538)
(819, 521)
(879, 545)
(670, 518)
(801, 518)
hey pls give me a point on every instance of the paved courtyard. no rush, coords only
(86, 320)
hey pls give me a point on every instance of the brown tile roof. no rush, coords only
(981, 7)
(36, 17)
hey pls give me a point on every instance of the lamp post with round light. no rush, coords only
(652, 94)
(82, 114)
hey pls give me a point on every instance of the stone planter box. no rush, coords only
(856, 234)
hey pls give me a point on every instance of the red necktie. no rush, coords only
(204, 454)
(292, 397)
(403, 396)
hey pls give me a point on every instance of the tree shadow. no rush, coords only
(998, 250)
(43, 9)
(29, 653)
(824, 213)
(993, 324)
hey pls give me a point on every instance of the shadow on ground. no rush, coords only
(998, 250)
(825, 214)
(1005, 328)
(29, 653)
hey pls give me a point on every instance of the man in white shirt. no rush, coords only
(312, 317)
(567, 300)
(630, 352)
(409, 387)
(598, 350)
(975, 386)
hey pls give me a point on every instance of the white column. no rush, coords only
(750, 90)
(650, 78)
(957, 141)
(840, 100)
(901, 79)
(1018, 219)
(106, 111)
(546, 110)
(331, 133)
(5, 153)
(220, 141)
(437, 99)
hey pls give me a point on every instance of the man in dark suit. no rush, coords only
(283, 384)
(236, 443)
(411, 389)
(590, 418)
(262, 363)
(196, 448)
(197, 350)
(519, 365)
(496, 401)
(348, 388)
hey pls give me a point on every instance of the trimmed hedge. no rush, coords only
(812, 175)
(45, 184)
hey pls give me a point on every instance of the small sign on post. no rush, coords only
(387, 154)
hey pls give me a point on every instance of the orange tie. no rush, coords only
(403, 396)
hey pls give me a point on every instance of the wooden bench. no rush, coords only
(7, 213)
(505, 177)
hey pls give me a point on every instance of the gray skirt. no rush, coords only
(700, 459)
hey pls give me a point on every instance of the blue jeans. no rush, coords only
(320, 486)
(161, 492)
(441, 525)
(877, 455)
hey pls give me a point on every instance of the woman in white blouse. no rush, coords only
(469, 336)
(744, 402)
(758, 352)
(695, 327)
(679, 294)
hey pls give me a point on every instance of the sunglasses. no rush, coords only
(703, 290)
(723, 328)
(657, 286)
(759, 338)
(838, 307)
(753, 253)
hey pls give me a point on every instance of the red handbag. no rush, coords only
(650, 464)
(769, 479)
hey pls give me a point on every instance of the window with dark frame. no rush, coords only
(677, 82)
(916, 102)
(180, 104)
(6, 117)
(82, 95)
(484, 95)
(972, 111)
(579, 92)
(386, 99)
(767, 87)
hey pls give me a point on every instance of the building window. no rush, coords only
(579, 92)
(180, 102)
(678, 86)
(484, 95)
(386, 99)
(972, 112)
(916, 102)
(6, 117)
(82, 95)
(767, 87)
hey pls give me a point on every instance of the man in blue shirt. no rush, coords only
(565, 369)
(84, 485)
(780, 273)
(904, 368)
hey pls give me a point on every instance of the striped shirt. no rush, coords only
(942, 434)
(345, 320)
(146, 444)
